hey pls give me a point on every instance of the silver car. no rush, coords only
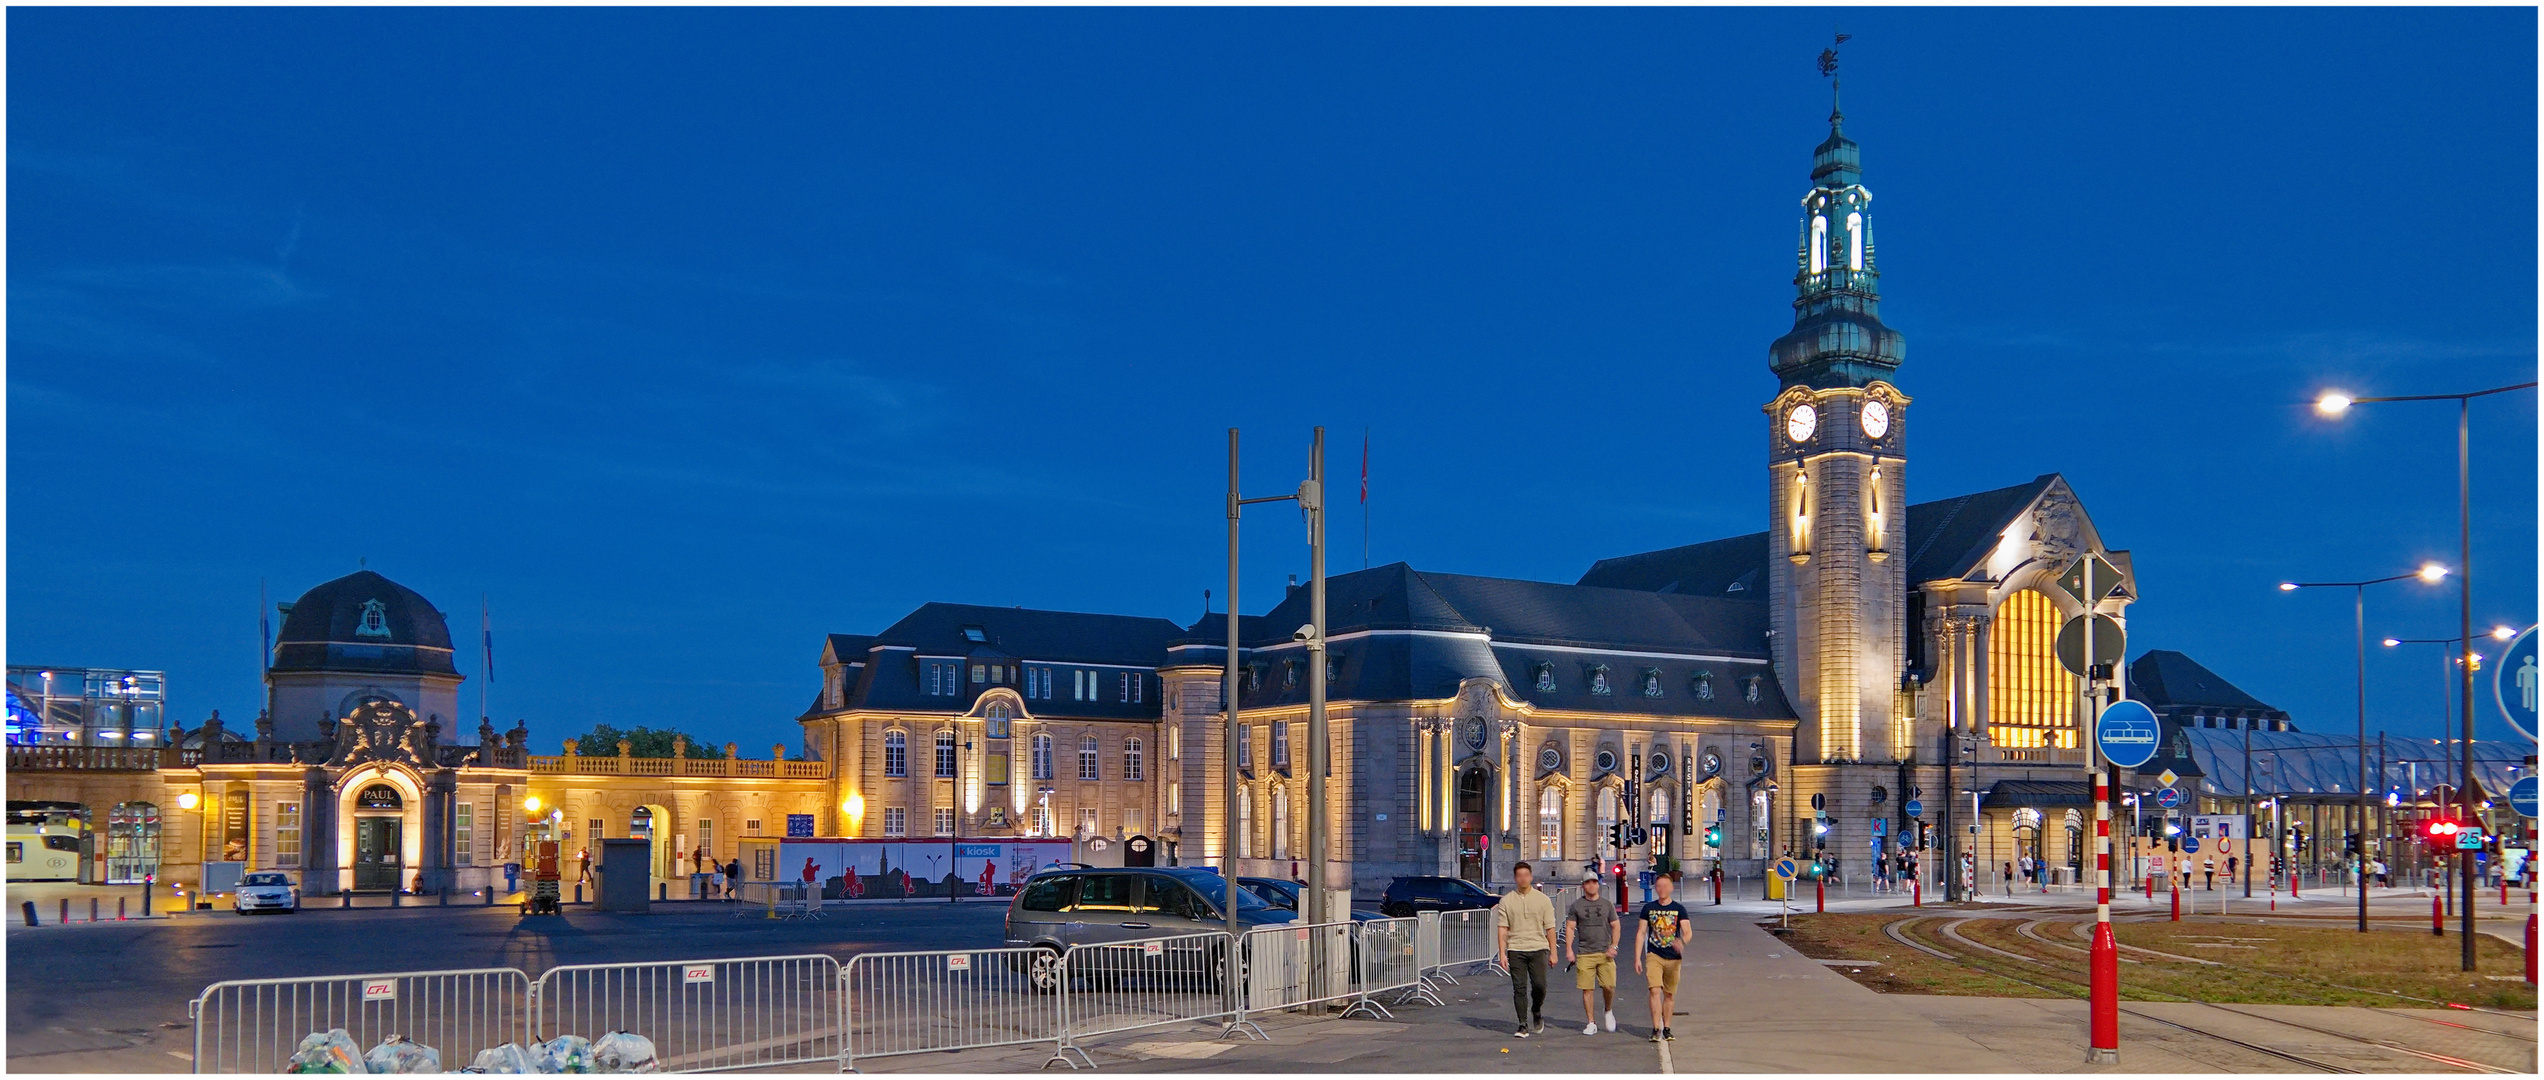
(1065, 908)
(266, 891)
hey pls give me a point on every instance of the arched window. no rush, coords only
(1550, 802)
(896, 753)
(1609, 814)
(1245, 824)
(945, 755)
(2031, 698)
(1854, 241)
(1819, 243)
(1131, 759)
(1090, 759)
(1660, 807)
(1042, 757)
(1280, 823)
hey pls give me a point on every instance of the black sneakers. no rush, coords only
(1669, 1035)
(1523, 1032)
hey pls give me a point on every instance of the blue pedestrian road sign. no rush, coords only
(1917, 809)
(2516, 683)
(2168, 798)
(2522, 796)
(2190, 845)
(2127, 734)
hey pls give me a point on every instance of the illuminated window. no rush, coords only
(1854, 241)
(1042, 757)
(896, 821)
(287, 834)
(1819, 243)
(1090, 758)
(1280, 823)
(2031, 699)
(1131, 764)
(1245, 823)
(1550, 805)
(945, 754)
(896, 754)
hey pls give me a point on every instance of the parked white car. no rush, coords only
(265, 892)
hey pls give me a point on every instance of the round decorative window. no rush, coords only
(1660, 764)
(1550, 759)
(1710, 764)
(1607, 760)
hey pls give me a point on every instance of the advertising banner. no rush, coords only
(855, 869)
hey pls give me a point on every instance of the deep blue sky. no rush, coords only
(688, 336)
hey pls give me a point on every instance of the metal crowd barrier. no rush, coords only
(1466, 937)
(923, 1002)
(1291, 965)
(255, 1025)
(704, 1014)
(1391, 959)
(780, 899)
(1151, 982)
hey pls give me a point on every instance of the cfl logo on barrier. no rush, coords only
(1152, 948)
(379, 989)
(958, 962)
(697, 973)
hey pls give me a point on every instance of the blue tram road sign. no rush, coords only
(2127, 734)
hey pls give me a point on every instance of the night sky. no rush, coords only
(685, 337)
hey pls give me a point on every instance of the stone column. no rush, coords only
(440, 786)
(317, 834)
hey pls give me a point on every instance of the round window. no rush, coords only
(1660, 764)
(1607, 760)
(1880, 793)
(1550, 760)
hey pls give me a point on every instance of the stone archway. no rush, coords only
(1474, 823)
(379, 824)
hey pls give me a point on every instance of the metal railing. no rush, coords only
(1466, 937)
(778, 899)
(91, 758)
(1292, 965)
(1150, 982)
(1390, 957)
(927, 1002)
(255, 1025)
(703, 1014)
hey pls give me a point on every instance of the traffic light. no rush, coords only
(1713, 836)
(2441, 831)
(1616, 834)
(1819, 831)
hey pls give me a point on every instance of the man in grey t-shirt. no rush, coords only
(1590, 946)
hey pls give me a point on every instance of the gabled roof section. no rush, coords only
(1946, 539)
(2165, 679)
(1031, 634)
(846, 648)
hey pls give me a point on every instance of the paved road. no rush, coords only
(112, 997)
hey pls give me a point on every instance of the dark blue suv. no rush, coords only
(1409, 895)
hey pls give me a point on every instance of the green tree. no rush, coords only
(644, 742)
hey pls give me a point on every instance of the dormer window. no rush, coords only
(1545, 678)
(1749, 689)
(375, 620)
(975, 635)
(1651, 682)
(1289, 674)
(1704, 686)
(1599, 680)
(1254, 676)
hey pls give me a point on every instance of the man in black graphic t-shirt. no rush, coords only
(1665, 931)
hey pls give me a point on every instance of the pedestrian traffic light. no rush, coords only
(1713, 836)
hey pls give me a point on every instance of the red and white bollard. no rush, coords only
(1820, 903)
(1917, 898)
(2104, 961)
(2530, 920)
(2437, 917)
(2177, 901)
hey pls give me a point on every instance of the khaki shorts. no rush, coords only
(1661, 973)
(1592, 970)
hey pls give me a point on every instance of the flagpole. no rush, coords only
(486, 636)
(1364, 498)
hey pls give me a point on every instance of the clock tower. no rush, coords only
(1837, 477)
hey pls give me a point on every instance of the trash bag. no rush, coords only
(398, 1054)
(566, 1054)
(509, 1058)
(620, 1052)
(330, 1051)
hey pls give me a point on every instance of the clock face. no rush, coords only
(1876, 419)
(1801, 422)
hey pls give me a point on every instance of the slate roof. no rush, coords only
(1946, 539)
(2019, 793)
(1405, 634)
(1065, 640)
(322, 631)
(2166, 680)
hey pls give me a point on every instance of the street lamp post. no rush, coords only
(2336, 404)
(2431, 573)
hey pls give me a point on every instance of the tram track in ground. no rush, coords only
(2060, 982)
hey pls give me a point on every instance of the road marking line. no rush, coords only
(1665, 1058)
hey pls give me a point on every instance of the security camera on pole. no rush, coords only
(2125, 736)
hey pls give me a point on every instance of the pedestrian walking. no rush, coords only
(1590, 948)
(1665, 931)
(2009, 879)
(2383, 878)
(2231, 866)
(1524, 929)
(2208, 869)
(583, 862)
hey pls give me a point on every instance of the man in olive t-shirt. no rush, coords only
(1590, 945)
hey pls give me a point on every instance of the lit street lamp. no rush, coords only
(2429, 573)
(2336, 404)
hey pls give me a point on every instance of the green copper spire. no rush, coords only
(1838, 338)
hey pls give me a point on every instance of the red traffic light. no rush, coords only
(2441, 828)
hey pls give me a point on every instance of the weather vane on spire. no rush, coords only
(1828, 70)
